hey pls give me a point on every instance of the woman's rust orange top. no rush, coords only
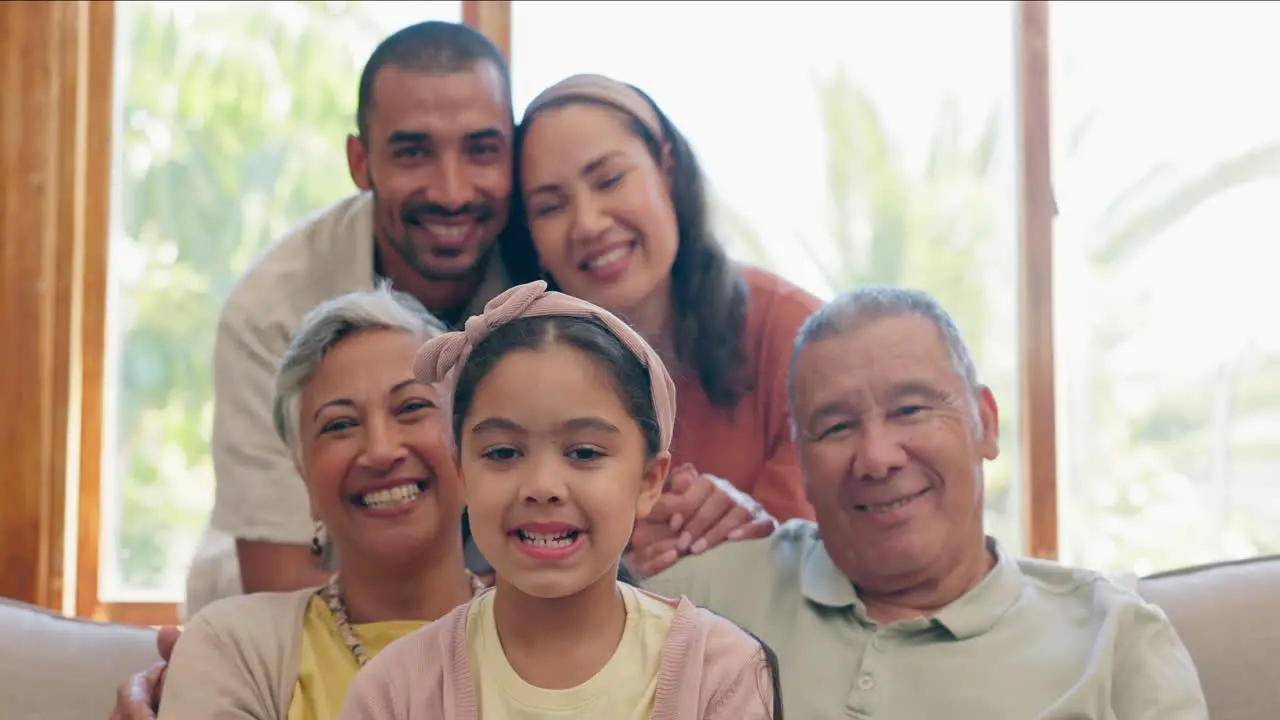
(752, 447)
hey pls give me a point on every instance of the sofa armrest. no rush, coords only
(1228, 616)
(53, 667)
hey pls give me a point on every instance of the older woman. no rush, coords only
(618, 215)
(368, 442)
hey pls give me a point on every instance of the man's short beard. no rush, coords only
(404, 249)
(384, 224)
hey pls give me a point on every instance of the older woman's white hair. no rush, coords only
(379, 308)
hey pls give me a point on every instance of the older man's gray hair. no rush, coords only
(856, 309)
(380, 308)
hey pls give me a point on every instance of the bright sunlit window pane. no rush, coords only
(1168, 169)
(230, 128)
(848, 143)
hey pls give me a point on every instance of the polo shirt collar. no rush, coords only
(978, 610)
(975, 613)
(823, 583)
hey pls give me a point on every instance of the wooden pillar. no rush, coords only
(493, 19)
(1035, 283)
(53, 190)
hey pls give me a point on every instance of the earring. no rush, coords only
(318, 540)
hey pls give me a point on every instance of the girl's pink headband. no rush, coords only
(441, 358)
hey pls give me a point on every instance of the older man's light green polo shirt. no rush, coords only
(1033, 641)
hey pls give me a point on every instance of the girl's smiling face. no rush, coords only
(556, 469)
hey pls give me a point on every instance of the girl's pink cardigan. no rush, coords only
(710, 670)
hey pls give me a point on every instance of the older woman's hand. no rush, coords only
(139, 697)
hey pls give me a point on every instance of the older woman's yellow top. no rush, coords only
(326, 666)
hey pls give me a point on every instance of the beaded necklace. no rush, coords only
(332, 596)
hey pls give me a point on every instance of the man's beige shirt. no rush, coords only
(1033, 641)
(259, 495)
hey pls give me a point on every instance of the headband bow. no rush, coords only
(440, 358)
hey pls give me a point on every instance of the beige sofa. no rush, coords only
(54, 668)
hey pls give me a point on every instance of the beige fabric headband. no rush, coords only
(441, 358)
(607, 90)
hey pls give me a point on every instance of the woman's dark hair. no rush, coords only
(709, 297)
(630, 377)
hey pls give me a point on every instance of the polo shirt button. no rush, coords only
(875, 643)
(866, 682)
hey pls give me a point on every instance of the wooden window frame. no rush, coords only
(1038, 449)
(58, 193)
(54, 205)
(493, 19)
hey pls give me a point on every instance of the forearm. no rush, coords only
(278, 567)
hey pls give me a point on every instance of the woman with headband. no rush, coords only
(617, 214)
(562, 418)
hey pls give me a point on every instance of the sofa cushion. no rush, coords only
(57, 668)
(1228, 615)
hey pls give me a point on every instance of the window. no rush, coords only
(231, 124)
(847, 144)
(1167, 167)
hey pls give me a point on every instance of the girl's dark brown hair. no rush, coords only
(775, 674)
(709, 297)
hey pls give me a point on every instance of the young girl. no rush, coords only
(562, 417)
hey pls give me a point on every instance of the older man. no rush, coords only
(896, 604)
